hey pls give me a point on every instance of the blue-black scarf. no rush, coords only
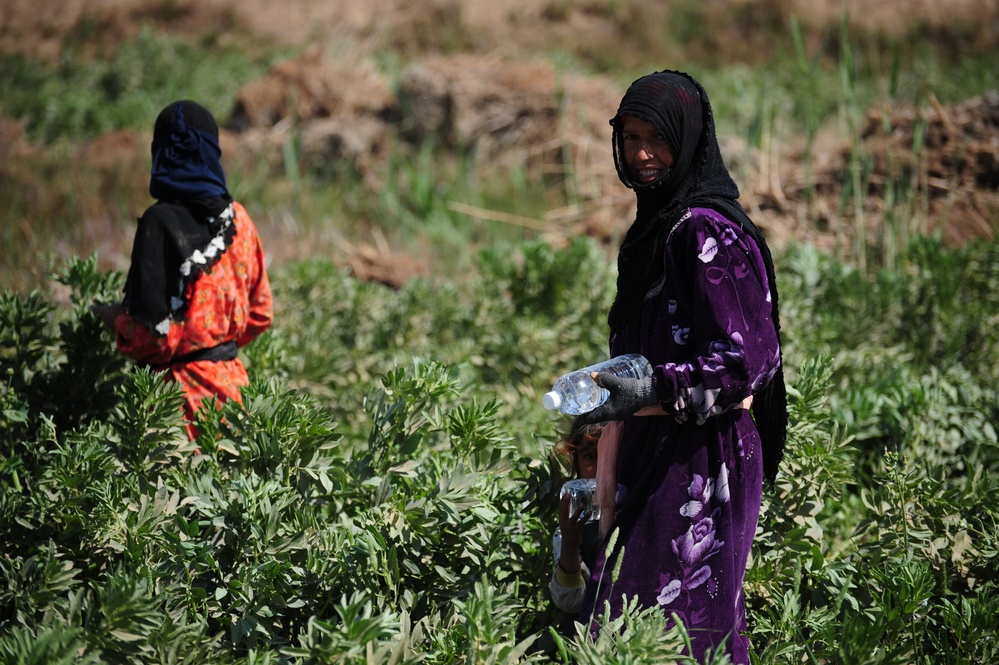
(186, 155)
(192, 223)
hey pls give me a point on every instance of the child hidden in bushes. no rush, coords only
(197, 288)
(575, 539)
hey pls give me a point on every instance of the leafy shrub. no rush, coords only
(385, 494)
(868, 541)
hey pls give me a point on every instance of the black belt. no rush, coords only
(223, 351)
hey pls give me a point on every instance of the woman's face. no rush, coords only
(645, 151)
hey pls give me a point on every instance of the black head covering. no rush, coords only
(191, 225)
(186, 155)
(679, 108)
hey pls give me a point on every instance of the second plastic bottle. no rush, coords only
(577, 392)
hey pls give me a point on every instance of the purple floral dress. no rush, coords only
(694, 479)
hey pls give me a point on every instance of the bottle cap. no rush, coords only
(552, 400)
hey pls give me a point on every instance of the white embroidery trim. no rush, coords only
(200, 257)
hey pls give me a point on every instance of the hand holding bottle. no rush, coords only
(627, 397)
(571, 526)
(577, 392)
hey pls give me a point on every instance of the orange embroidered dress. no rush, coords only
(197, 288)
(231, 302)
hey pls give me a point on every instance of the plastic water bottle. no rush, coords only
(581, 490)
(577, 392)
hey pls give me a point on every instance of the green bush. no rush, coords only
(385, 495)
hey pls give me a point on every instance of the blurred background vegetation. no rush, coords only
(79, 97)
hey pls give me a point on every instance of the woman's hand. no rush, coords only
(627, 397)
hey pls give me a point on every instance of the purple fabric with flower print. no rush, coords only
(694, 478)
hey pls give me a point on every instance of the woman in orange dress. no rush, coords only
(197, 288)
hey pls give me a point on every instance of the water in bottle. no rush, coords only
(577, 392)
(581, 491)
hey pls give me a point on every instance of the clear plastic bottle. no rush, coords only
(577, 392)
(582, 492)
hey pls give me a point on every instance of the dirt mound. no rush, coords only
(523, 114)
(342, 114)
(953, 152)
(337, 111)
(940, 164)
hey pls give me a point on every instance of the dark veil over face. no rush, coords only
(190, 226)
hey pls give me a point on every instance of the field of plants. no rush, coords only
(387, 493)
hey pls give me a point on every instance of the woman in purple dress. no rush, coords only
(696, 295)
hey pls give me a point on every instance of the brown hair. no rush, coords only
(577, 438)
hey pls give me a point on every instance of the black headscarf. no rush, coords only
(679, 108)
(190, 226)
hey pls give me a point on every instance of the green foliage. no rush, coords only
(384, 494)
(358, 635)
(637, 635)
(52, 646)
(868, 545)
(57, 369)
(529, 313)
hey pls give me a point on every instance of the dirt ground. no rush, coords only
(502, 102)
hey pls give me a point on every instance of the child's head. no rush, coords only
(579, 446)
